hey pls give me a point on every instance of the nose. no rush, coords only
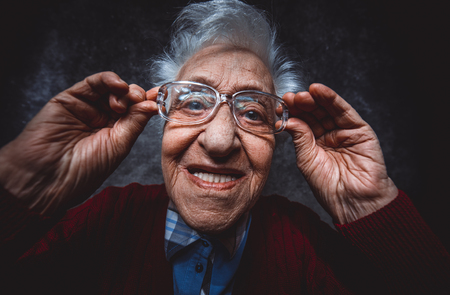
(219, 138)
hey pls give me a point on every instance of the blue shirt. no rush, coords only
(202, 264)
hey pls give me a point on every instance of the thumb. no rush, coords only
(304, 142)
(129, 127)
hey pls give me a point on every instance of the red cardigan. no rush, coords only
(114, 244)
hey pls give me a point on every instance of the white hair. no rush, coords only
(231, 22)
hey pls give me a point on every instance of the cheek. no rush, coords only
(175, 142)
(260, 152)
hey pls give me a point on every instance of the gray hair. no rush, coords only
(232, 22)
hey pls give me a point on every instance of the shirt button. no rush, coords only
(199, 267)
(205, 243)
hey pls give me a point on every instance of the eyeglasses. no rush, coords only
(191, 103)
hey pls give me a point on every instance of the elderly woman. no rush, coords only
(207, 230)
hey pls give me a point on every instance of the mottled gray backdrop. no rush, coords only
(383, 57)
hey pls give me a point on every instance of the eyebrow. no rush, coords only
(252, 85)
(203, 80)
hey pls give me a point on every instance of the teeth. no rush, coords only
(211, 177)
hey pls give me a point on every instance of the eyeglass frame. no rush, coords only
(222, 98)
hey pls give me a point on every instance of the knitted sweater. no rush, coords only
(114, 244)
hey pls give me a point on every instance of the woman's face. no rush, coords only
(219, 149)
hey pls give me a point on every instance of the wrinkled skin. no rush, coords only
(218, 146)
(339, 154)
(75, 142)
(82, 134)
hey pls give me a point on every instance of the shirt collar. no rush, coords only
(179, 235)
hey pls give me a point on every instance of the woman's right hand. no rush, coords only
(75, 142)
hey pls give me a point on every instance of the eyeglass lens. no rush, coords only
(190, 103)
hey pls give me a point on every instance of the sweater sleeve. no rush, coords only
(25, 233)
(20, 227)
(110, 244)
(52, 252)
(36, 249)
(398, 241)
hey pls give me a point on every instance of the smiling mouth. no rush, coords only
(214, 177)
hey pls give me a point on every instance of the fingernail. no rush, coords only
(138, 94)
(122, 104)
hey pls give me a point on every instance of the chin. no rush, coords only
(210, 224)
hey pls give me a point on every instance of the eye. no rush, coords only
(195, 102)
(249, 110)
(194, 105)
(252, 115)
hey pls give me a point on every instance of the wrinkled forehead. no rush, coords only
(228, 69)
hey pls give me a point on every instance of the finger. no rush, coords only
(91, 114)
(328, 123)
(289, 99)
(97, 85)
(136, 94)
(320, 113)
(152, 93)
(304, 141)
(118, 105)
(313, 123)
(305, 102)
(128, 127)
(344, 116)
(303, 106)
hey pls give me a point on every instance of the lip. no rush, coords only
(240, 176)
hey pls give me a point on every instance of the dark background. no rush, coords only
(387, 58)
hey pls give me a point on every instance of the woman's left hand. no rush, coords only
(339, 154)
